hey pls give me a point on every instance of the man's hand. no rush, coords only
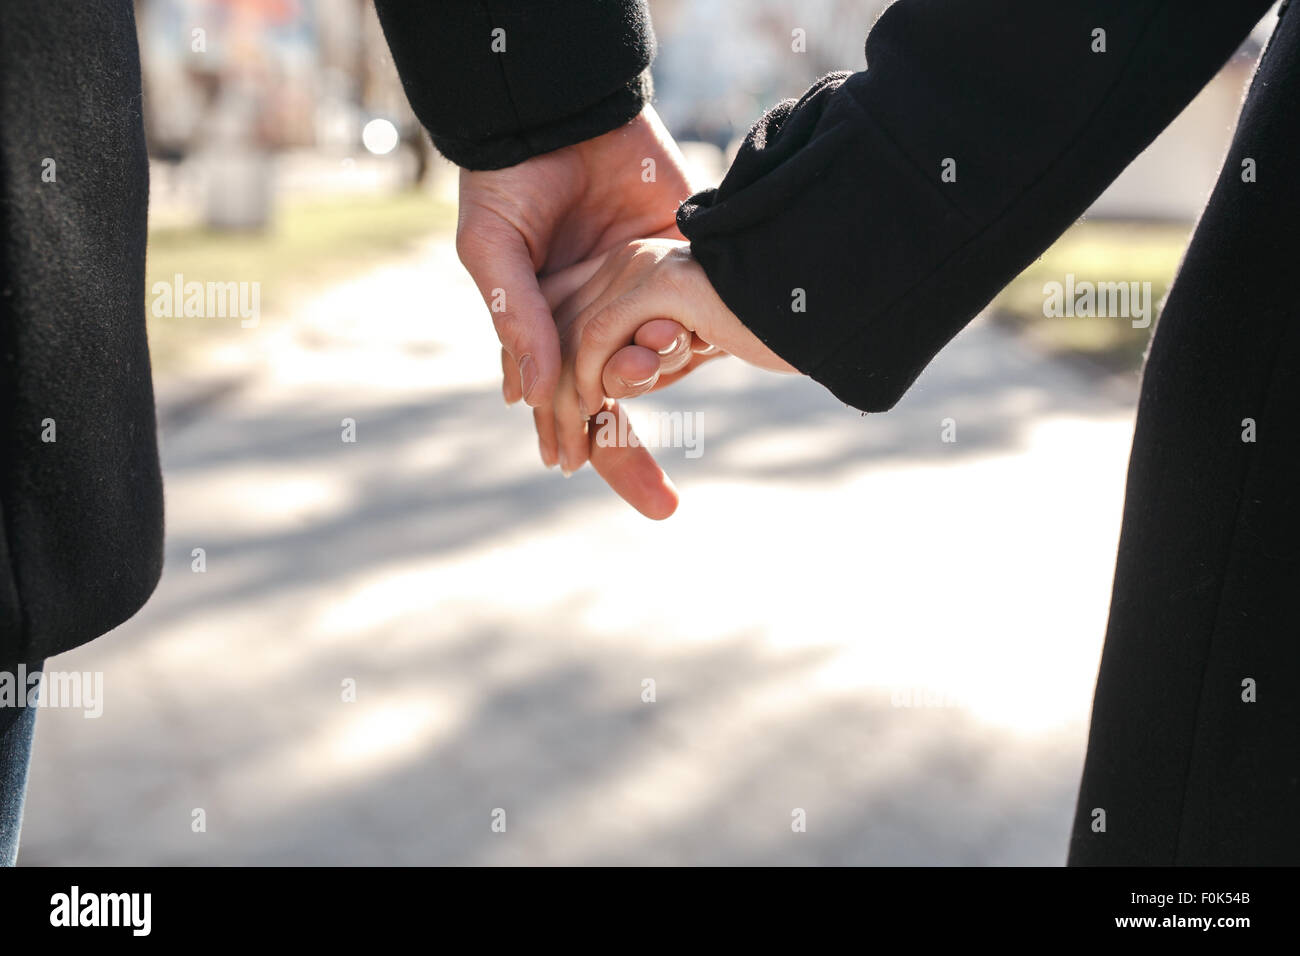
(553, 211)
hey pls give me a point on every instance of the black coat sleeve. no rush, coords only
(498, 81)
(837, 202)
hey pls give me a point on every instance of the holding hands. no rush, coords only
(593, 311)
(637, 319)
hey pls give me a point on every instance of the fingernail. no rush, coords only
(677, 343)
(564, 463)
(527, 375)
(582, 408)
(505, 394)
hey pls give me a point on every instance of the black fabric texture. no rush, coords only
(81, 548)
(560, 72)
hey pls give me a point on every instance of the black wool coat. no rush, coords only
(81, 522)
(81, 503)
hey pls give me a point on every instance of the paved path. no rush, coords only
(824, 569)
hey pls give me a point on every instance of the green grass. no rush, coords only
(312, 243)
(307, 245)
(1095, 252)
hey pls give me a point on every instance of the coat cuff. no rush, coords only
(514, 147)
(807, 294)
(498, 82)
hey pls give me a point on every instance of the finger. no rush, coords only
(510, 385)
(547, 443)
(663, 381)
(631, 371)
(671, 340)
(608, 327)
(560, 285)
(570, 426)
(499, 261)
(594, 293)
(701, 347)
(660, 335)
(630, 470)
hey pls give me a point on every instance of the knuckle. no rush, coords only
(677, 278)
(511, 330)
(468, 247)
(571, 333)
(632, 255)
(586, 344)
(597, 330)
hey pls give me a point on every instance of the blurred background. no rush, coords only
(849, 621)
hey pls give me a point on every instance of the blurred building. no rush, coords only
(313, 71)
(236, 80)
(246, 100)
(722, 63)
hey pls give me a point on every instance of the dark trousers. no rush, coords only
(16, 727)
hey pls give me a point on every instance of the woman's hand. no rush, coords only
(635, 287)
(634, 320)
(657, 358)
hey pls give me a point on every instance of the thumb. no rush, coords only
(498, 260)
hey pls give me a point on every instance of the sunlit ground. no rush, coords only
(847, 616)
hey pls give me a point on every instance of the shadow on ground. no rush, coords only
(378, 562)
